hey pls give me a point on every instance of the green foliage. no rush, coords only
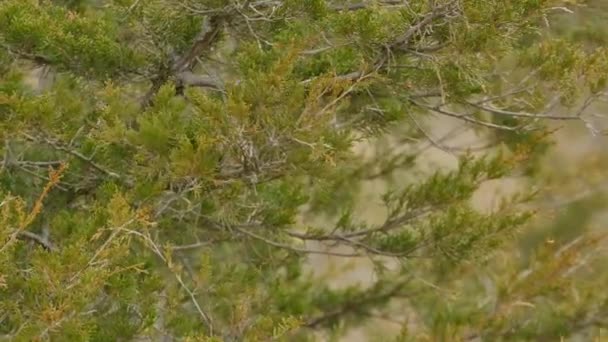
(162, 160)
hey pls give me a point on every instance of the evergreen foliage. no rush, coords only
(157, 180)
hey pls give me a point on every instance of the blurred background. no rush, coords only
(572, 189)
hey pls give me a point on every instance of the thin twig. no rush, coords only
(292, 248)
(76, 154)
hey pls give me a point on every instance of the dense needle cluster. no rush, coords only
(162, 160)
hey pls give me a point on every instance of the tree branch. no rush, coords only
(293, 248)
(38, 59)
(463, 116)
(25, 235)
(208, 35)
(427, 19)
(188, 78)
(76, 154)
(205, 39)
(498, 111)
(358, 304)
(367, 4)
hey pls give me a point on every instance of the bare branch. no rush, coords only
(498, 111)
(75, 153)
(40, 163)
(436, 13)
(205, 39)
(26, 235)
(188, 78)
(464, 116)
(364, 5)
(293, 248)
(36, 58)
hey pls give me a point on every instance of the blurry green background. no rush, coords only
(573, 189)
